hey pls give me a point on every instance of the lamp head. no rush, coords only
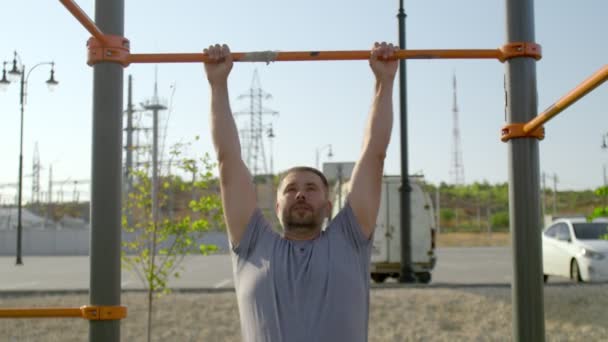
(52, 83)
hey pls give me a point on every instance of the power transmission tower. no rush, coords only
(253, 136)
(36, 176)
(135, 148)
(128, 169)
(155, 105)
(457, 170)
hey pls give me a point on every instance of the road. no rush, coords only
(478, 265)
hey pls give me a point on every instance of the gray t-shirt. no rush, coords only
(303, 291)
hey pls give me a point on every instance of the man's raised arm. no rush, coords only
(366, 184)
(238, 193)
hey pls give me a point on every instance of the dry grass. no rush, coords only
(574, 313)
(473, 239)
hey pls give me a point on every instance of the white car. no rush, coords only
(576, 249)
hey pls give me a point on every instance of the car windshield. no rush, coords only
(590, 231)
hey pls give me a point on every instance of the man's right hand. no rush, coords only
(220, 64)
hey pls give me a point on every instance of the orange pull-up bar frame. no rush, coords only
(88, 312)
(533, 127)
(108, 48)
(574, 95)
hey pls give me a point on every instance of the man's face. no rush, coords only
(302, 201)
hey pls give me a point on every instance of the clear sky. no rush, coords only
(319, 103)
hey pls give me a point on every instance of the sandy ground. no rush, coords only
(572, 313)
(462, 239)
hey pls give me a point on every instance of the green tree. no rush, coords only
(500, 219)
(157, 244)
(447, 215)
(603, 210)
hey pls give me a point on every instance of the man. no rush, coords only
(307, 284)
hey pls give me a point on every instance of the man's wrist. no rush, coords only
(384, 84)
(218, 84)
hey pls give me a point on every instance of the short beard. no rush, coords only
(291, 223)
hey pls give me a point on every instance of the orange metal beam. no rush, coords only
(89, 312)
(84, 19)
(40, 313)
(574, 95)
(275, 56)
(107, 48)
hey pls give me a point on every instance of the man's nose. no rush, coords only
(300, 195)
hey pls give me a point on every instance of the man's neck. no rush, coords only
(301, 234)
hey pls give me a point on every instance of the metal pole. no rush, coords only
(129, 148)
(129, 152)
(19, 260)
(406, 275)
(524, 178)
(106, 175)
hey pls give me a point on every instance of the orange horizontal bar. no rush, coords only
(90, 312)
(574, 95)
(84, 19)
(40, 312)
(272, 56)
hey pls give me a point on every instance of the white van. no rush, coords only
(386, 253)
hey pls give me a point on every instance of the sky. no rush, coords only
(319, 103)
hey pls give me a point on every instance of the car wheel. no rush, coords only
(575, 273)
(379, 277)
(424, 277)
(545, 278)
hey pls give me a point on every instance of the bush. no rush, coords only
(500, 220)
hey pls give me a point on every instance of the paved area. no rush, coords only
(478, 265)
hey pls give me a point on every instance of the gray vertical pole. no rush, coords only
(128, 176)
(19, 260)
(155, 187)
(128, 169)
(129, 147)
(406, 275)
(524, 194)
(106, 176)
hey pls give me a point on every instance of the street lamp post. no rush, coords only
(318, 150)
(604, 147)
(19, 72)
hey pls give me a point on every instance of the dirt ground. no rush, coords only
(572, 313)
(473, 239)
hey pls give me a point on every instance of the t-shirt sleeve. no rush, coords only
(346, 223)
(258, 232)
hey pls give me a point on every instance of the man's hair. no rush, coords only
(304, 169)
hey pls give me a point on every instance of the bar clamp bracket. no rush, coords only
(516, 130)
(103, 313)
(520, 49)
(113, 49)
